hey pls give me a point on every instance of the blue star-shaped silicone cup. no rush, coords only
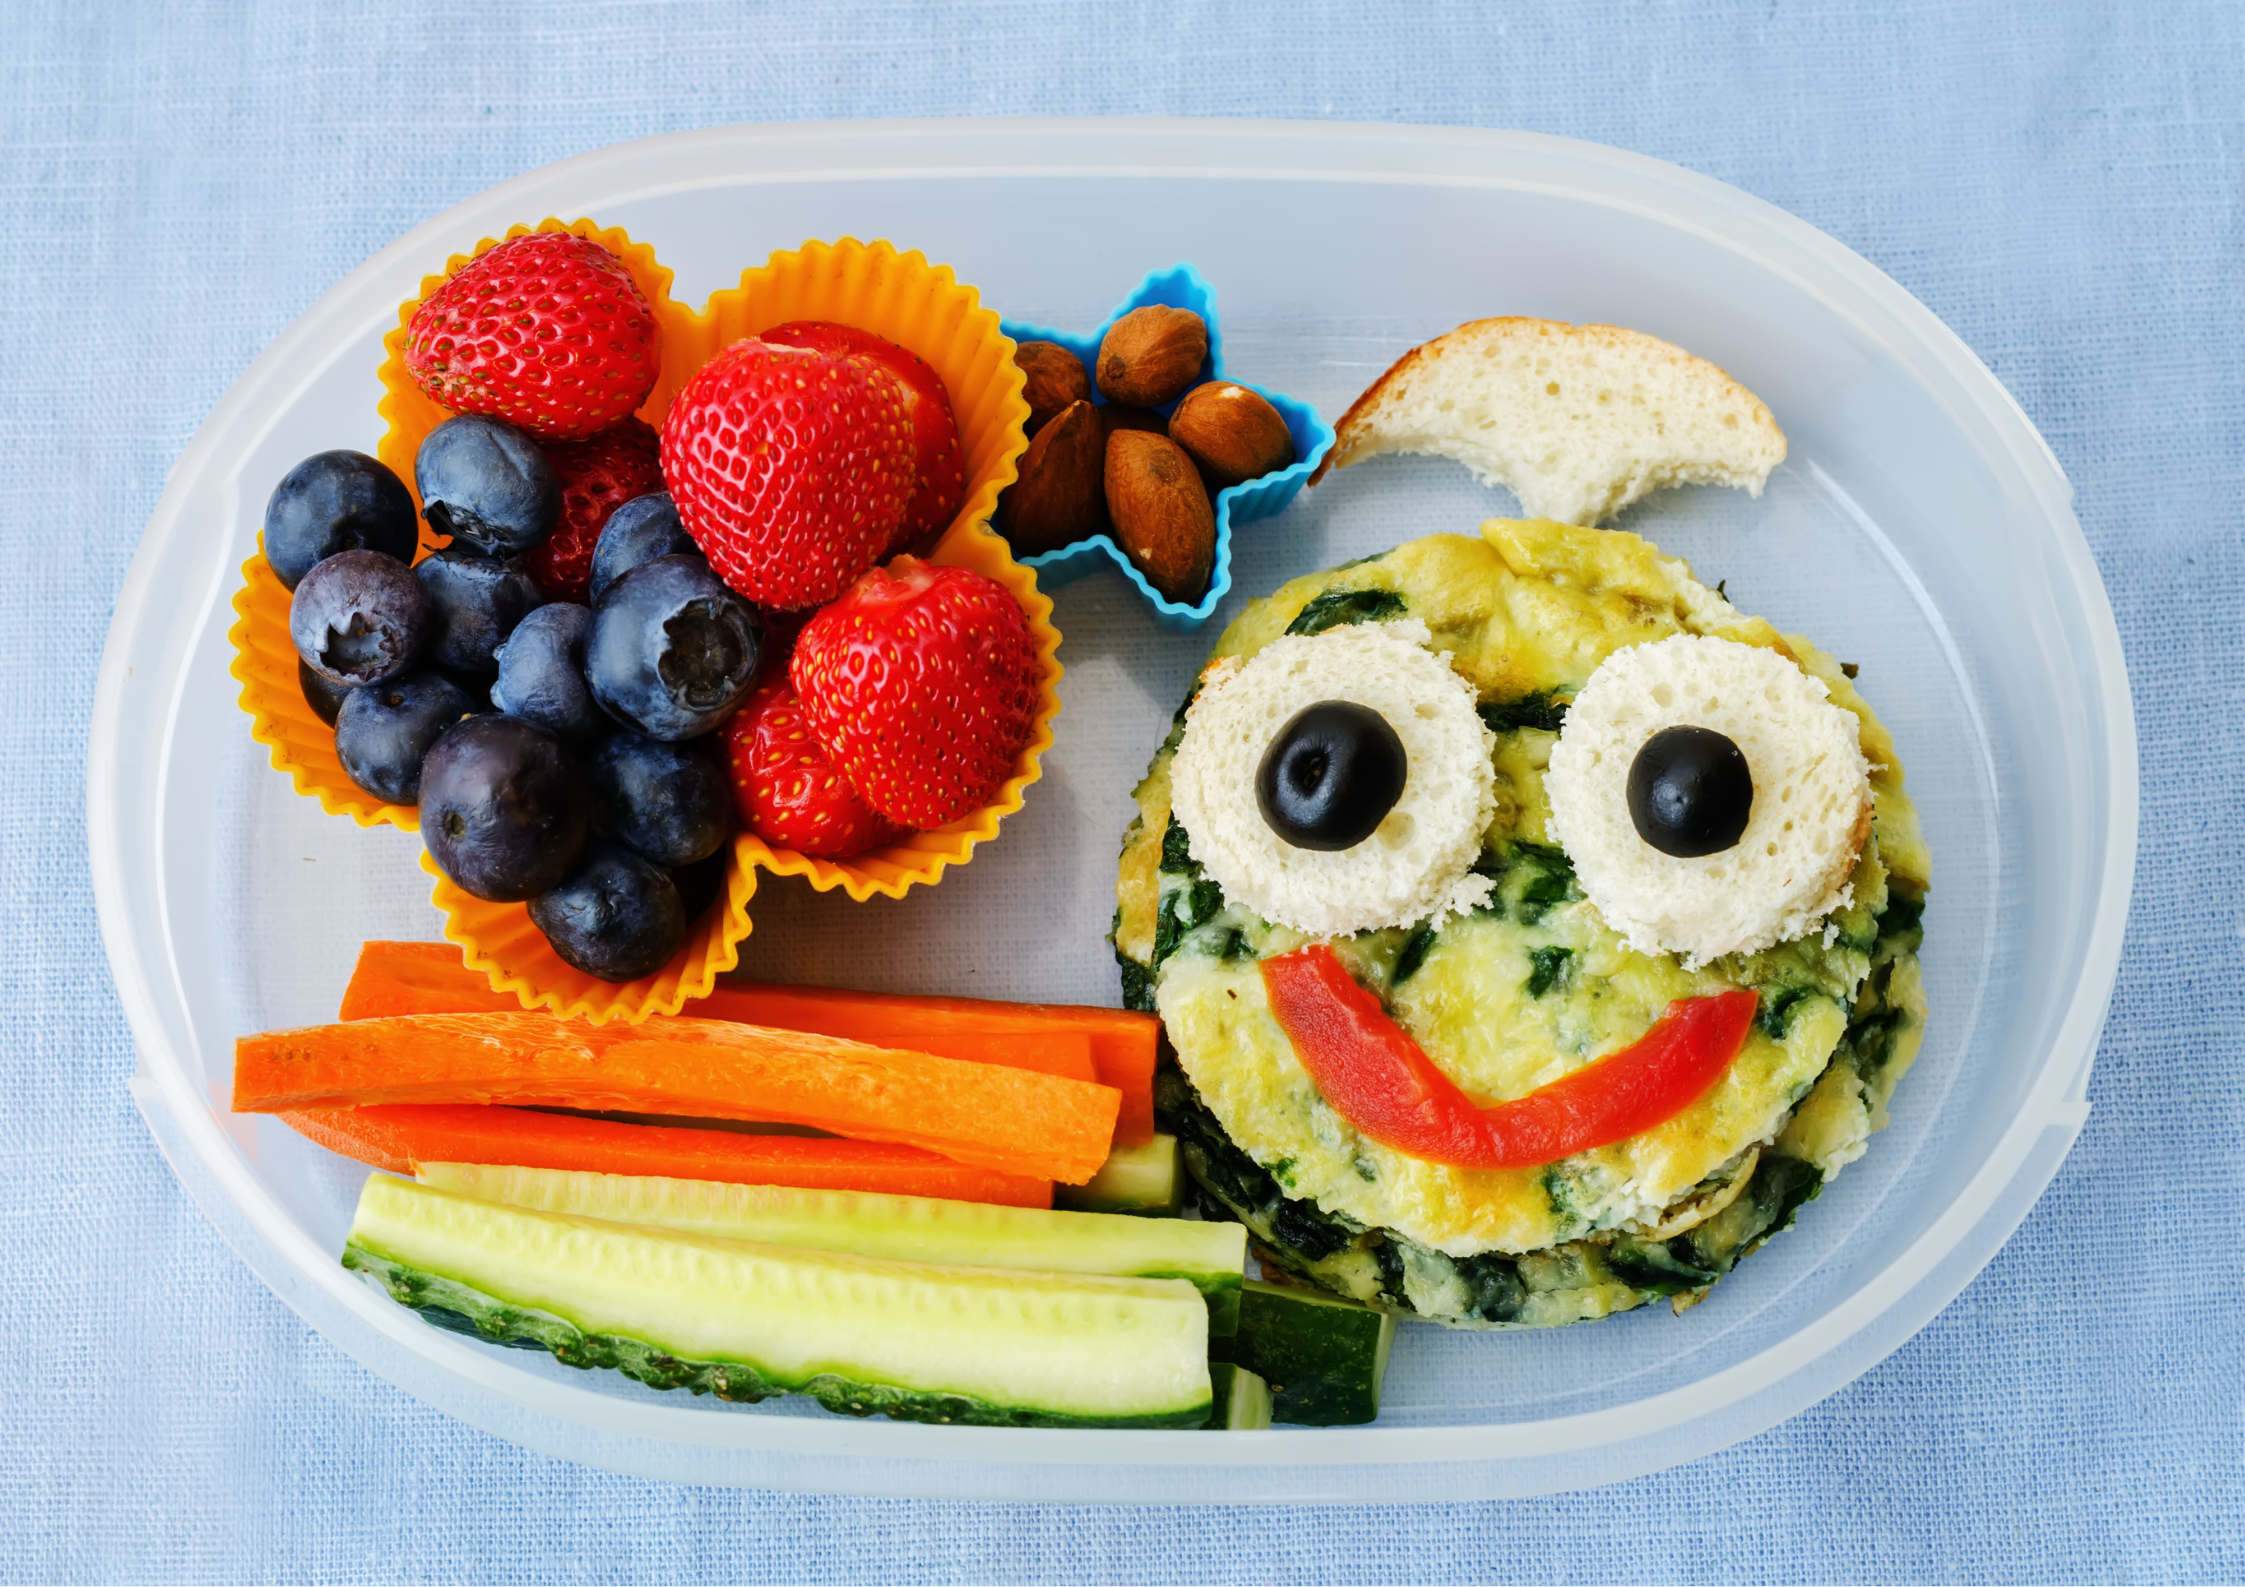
(1181, 287)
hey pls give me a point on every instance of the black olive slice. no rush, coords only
(1331, 776)
(1690, 792)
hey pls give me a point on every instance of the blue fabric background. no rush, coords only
(2061, 184)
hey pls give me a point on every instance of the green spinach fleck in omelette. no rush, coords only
(1527, 986)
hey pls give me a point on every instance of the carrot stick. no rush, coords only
(428, 978)
(1122, 1043)
(1014, 1120)
(403, 1136)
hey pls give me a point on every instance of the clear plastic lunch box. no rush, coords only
(1919, 528)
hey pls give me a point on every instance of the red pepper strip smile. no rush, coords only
(1378, 1079)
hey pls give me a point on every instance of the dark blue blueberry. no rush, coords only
(479, 600)
(542, 674)
(486, 484)
(1690, 792)
(671, 650)
(1331, 775)
(502, 812)
(700, 883)
(642, 529)
(383, 731)
(336, 501)
(671, 802)
(360, 617)
(615, 915)
(323, 697)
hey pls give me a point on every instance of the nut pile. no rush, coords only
(1114, 464)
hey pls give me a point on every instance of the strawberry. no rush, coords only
(547, 331)
(596, 477)
(938, 469)
(921, 685)
(791, 468)
(787, 791)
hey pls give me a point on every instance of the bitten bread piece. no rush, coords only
(1811, 810)
(1579, 420)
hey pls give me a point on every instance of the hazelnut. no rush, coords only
(1161, 514)
(1056, 377)
(1060, 496)
(1119, 417)
(1151, 355)
(1232, 433)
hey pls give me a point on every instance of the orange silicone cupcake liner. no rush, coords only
(868, 285)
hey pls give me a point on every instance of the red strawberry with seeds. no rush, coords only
(791, 468)
(939, 470)
(547, 331)
(921, 685)
(596, 475)
(787, 791)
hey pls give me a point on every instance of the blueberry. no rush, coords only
(360, 617)
(479, 600)
(642, 529)
(323, 697)
(502, 812)
(1690, 792)
(542, 674)
(615, 915)
(336, 501)
(671, 650)
(671, 802)
(700, 884)
(488, 485)
(1331, 776)
(382, 732)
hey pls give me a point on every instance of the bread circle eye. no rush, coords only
(1712, 797)
(1338, 782)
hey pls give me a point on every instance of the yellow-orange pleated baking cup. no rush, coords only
(869, 285)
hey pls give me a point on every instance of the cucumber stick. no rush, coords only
(859, 1334)
(1323, 1357)
(1209, 1256)
(1138, 1179)
(1243, 1400)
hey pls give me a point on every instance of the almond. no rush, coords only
(1120, 417)
(1232, 433)
(1056, 377)
(1060, 496)
(1151, 355)
(1160, 511)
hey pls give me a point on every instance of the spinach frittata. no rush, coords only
(1527, 987)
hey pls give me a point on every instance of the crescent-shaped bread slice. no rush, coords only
(1578, 420)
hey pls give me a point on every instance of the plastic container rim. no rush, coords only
(125, 837)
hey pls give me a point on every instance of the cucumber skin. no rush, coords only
(1324, 1358)
(447, 1303)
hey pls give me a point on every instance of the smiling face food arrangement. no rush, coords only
(1512, 931)
(1615, 974)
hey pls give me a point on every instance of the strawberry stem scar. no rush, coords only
(1376, 1077)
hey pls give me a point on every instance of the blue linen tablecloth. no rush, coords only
(2064, 185)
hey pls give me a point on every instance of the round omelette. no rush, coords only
(1528, 985)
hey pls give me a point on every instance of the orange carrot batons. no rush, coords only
(401, 1136)
(428, 978)
(1015, 1120)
